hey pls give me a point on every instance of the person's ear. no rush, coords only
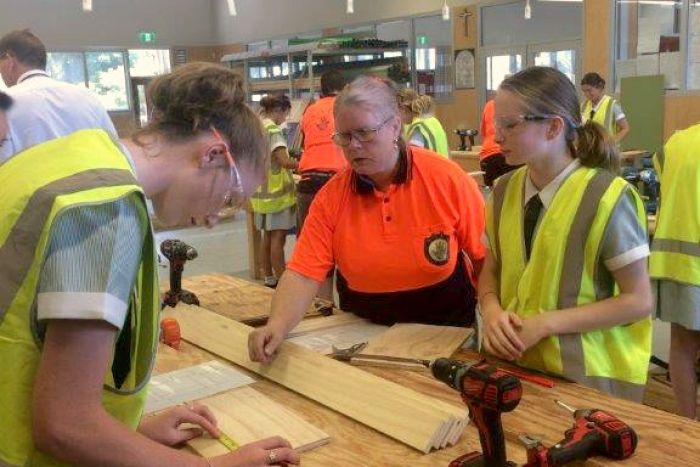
(214, 156)
(555, 127)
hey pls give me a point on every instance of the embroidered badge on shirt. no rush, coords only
(437, 249)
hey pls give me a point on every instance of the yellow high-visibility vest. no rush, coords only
(560, 275)
(39, 184)
(278, 192)
(603, 116)
(675, 250)
(432, 132)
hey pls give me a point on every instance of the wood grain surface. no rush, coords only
(387, 407)
(246, 416)
(424, 341)
(664, 439)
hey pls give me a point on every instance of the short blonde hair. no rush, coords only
(418, 104)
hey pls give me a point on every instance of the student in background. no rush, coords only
(565, 287)
(274, 202)
(423, 129)
(674, 264)
(321, 158)
(46, 108)
(491, 159)
(601, 108)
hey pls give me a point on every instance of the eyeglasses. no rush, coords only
(510, 123)
(235, 191)
(363, 135)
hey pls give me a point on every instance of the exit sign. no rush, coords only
(422, 40)
(147, 37)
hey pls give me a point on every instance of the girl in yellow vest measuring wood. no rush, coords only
(275, 201)
(79, 299)
(601, 108)
(564, 288)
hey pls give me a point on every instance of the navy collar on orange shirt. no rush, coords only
(364, 185)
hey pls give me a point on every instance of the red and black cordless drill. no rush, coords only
(177, 252)
(488, 392)
(595, 432)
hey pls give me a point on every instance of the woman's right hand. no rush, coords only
(263, 342)
(270, 451)
(500, 335)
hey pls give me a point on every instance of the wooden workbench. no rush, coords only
(664, 439)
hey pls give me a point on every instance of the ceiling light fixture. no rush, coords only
(351, 7)
(87, 5)
(445, 11)
(232, 7)
(528, 10)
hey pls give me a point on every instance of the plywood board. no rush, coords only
(397, 411)
(230, 296)
(325, 322)
(422, 341)
(246, 416)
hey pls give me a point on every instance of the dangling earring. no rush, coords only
(396, 143)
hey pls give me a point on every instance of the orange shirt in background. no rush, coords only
(320, 152)
(395, 240)
(489, 147)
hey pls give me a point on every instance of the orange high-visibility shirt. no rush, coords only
(320, 152)
(406, 238)
(489, 147)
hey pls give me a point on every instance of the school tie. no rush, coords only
(532, 213)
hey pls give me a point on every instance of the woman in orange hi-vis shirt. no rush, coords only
(402, 225)
(491, 160)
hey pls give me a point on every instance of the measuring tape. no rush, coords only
(230, 444)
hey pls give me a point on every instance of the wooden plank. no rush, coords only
(398, 412)
(325, 322)
(424, 341)
(246, 416)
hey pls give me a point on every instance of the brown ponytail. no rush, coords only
(595, 148)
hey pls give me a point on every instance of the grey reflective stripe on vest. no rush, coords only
(675, 246)
(499, 194)
(18, 250)
(427, 134)
(571, 345)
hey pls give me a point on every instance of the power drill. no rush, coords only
(595, 432)
(488, 392)
(177, 252)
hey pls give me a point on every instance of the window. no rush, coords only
(562, 60)
(66, 66)
(693, 80)
(433, 56)
(498, 67)
(145, 63)
(106, 75)
(648, 40)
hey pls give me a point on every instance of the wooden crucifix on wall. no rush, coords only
(465, 19)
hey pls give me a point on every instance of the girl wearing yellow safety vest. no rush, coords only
(275, 201)
(601, 108)
(564, 288)
(422, 128)
(79, 303)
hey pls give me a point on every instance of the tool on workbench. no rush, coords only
(464, 134)
(226, 440)
(352, 354)
(170, 332)
(488, 392)
(177, 252)
(595, 432)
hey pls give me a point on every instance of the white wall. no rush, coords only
(63, 24)
(264, 19)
